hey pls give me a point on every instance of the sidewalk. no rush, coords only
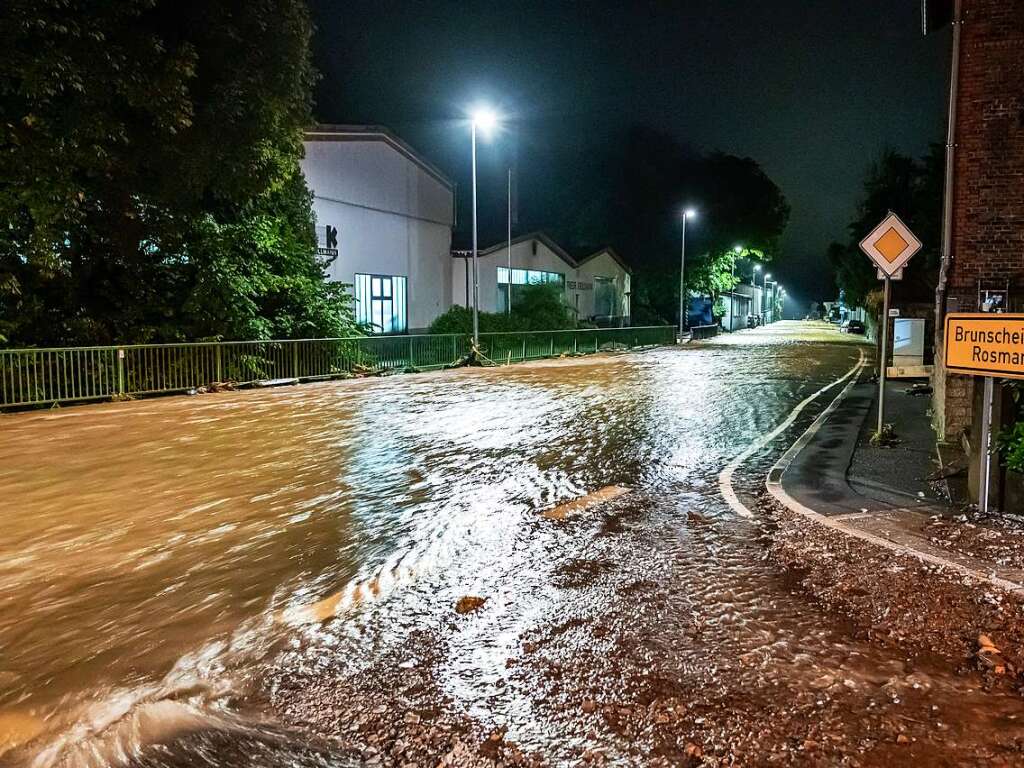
(883, 495)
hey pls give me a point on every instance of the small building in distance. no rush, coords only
(385, 215)
(597, 285)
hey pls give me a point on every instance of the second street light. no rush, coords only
(753, 291)
(485, 120)
(689, 213)
(737, 250)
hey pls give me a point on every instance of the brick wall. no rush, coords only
(988, 201)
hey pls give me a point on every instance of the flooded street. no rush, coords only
(270, 578)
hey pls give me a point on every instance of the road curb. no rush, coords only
(774, 483)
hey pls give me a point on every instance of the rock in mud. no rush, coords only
(468, 604)
(16, 729)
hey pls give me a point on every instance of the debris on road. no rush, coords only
(469, 603)
(607, 493)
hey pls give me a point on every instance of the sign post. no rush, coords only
(991, 345)
(881, 363)
(890, 246)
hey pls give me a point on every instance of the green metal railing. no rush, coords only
(70, 374)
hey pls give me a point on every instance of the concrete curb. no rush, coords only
(775, 486)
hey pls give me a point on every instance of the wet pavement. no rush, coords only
(158, 559)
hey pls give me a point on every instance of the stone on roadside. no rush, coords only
(469, 603)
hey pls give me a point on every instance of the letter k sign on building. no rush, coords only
(327, 241)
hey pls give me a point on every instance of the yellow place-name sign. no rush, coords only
(985, 344)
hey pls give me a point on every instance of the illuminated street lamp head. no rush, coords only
(757, 267)
(484, 119)
(768, 276)
(690, 213)
(738, 249)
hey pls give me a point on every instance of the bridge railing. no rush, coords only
(69, 374)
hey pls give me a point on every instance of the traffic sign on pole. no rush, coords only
(890, 246)
(985, 344)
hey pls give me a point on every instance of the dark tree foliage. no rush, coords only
(538, 307)
(913, 190)
(149, 181)
(632, 198)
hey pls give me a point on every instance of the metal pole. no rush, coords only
(508, 286)
(476, 275)
(682, 272)
(946, 255)
(881, 361)
(986, 445)
(732, 295)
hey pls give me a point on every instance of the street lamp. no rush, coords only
(738, 249)
(764, 289)
(484, 119)
(770, 302)
(753, 285)
(689, 213)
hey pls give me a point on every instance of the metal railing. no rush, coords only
(69, 374)
(699, 332)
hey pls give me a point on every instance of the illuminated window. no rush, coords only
(521, 277)
(381, 303)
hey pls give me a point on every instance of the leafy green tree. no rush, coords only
(913, 189)
(149, 178)
(634, 196)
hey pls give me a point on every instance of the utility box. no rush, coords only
(908, 342)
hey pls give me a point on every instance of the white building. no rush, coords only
(387, 215)
(597, 286)
(744, 300)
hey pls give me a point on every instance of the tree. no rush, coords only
(635, 192)
(149, 179)
(913, 190)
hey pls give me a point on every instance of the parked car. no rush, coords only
(852, 326)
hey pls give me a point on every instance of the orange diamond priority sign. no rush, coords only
(890, 245)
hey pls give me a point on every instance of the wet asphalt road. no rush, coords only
(154, 582)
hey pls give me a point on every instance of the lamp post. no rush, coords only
(732, 295)
(689, 213)
(770, 302)
(753, 286)
(764, 290)
(485, 120)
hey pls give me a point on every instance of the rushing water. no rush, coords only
(155, 556)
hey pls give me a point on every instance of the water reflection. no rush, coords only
(150, 550)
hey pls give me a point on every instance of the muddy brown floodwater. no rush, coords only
(159, 560)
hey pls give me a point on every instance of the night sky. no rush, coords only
(811, 89)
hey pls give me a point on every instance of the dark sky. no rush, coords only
(811, 89)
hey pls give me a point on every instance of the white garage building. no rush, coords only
(387, 215)
(597, 286)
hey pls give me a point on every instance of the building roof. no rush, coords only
(611, 252)
(545, 238)
(540, 236)
(332, 132)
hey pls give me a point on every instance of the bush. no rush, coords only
(538, 307)
(1010, 440)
